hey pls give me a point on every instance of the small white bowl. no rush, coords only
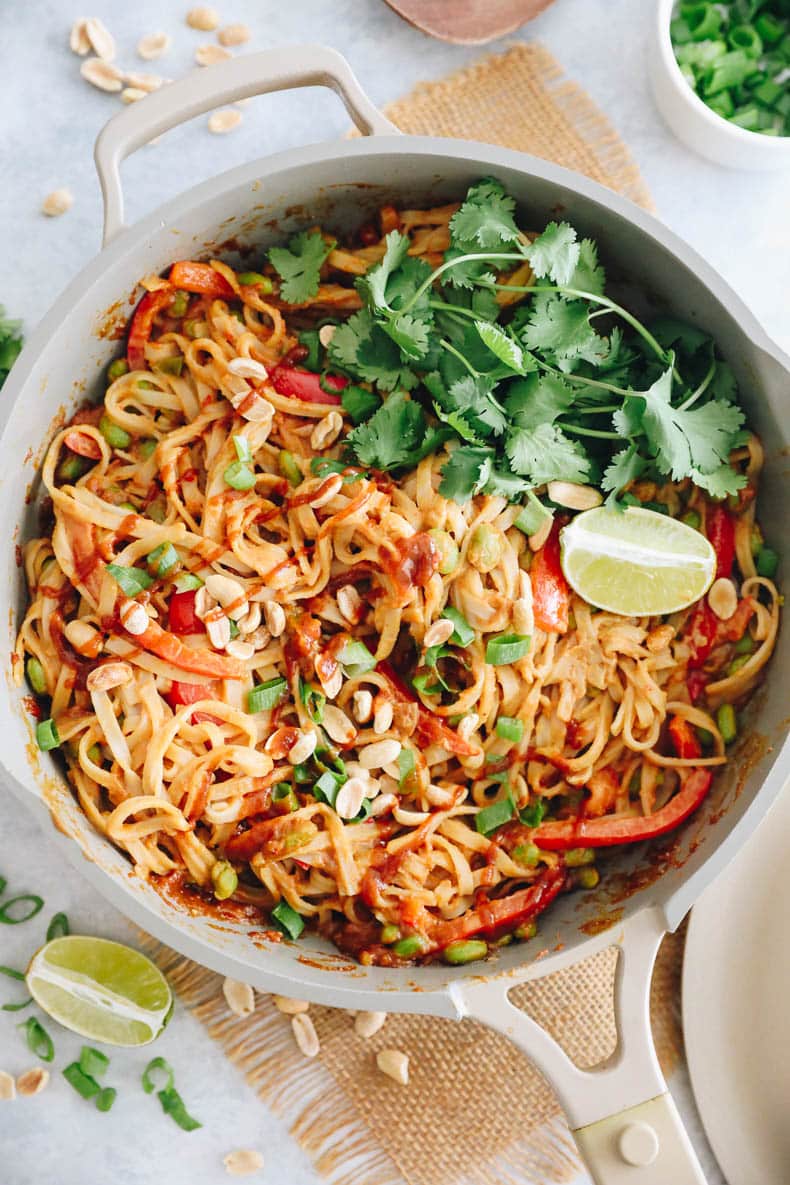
(692, 121)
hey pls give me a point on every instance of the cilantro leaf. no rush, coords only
(625, 467)
(486, 217)
(373, 285)
(545, 453)
(394, 436)
(389, 286)
(681, 440)
(719, 482)
(555, 253)
(538, 399)
(299, 265)
(466, 472)
(471, 397)
(561, 328)
(501, 345)
(588, 275)
(362, 348)
(505, 484)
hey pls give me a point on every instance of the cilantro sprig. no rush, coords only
(570, 386)
(299, 265)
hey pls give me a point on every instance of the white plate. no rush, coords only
(736, 1007)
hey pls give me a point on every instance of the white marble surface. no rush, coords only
(50, 119)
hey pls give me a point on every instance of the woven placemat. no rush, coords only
(475, 1111)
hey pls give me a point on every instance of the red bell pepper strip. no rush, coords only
(430, 730)
(200, 277)
(142, 324)
(181, 615)
(720, 529)
(550, 594)
(700, 633)
(84, 445)
(696, 682)
(501, 915)
(606, 831)
(189, 693)
(684, 738)
(304, 385)
(198, 662)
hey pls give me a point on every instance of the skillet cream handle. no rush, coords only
(212, 86)
(622, 1117)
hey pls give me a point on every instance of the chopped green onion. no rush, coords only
(359, 403)
(59, 927)
(507, 648)
(93, 1062)
(35, 676)
(532, 815)
(532, 516)
(769, 28)
(7, 917)
(283, 794)
(12, 973)
(18, 1007)
(313, 700)
(727, 724)
(408, 947)
(173, 1105)
(105, 1098)
(131, 581)
(527, 854)
(164, 559)
(18, 975)
(526, 930)
(242, 447)
(179, 304)
(224, 880)
(510, 728)
(130, 506)
(302, 775)
(172, 365)
(287, 919)
(767, 562)
(117, 368)
(389, 934)
(327, 786)
(264, 696)
(239, 476)
(422, 683)
(405, 765)
(289, 468)
(255, 280)
(491, 817)
(147, 446)
(356, 659)
(157, 510)
(457, 953)
(38, 1039)
(47, 735)
(312, 343)
(154, 1066)
(463, 634)
(187, 581)
(82, 1082)
(577, 857)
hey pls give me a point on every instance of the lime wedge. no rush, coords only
(636, 562)
(101, 989)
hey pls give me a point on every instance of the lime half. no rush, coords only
(636, 562)
(101, 989)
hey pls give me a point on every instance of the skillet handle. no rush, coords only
(212, 86)
(622, 1116)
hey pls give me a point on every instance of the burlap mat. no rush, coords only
(475, 1111)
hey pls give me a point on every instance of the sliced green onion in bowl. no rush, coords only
(131, 581)
(510, 728)
(264, 696)
(239, 476)
(47, 735)
(463, 634)
(507, 648)
(498, 813)
(287, 919)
